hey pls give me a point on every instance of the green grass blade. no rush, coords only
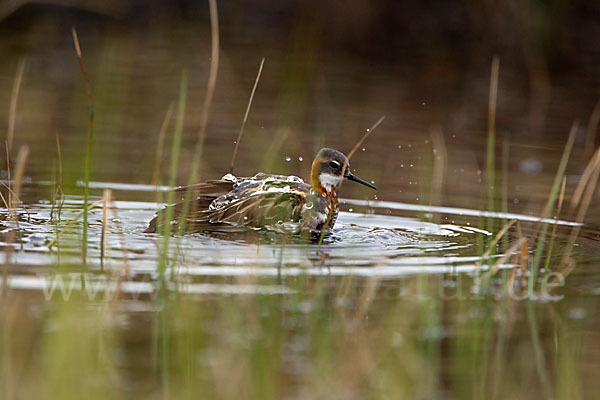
(539, 249)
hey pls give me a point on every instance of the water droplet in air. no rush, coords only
(349, 210)
(368, 129)
(300, 159)
(288, 159)
(363, 149)
(372, 182)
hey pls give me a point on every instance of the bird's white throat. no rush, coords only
(328, 181)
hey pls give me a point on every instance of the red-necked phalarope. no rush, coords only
(266, 200)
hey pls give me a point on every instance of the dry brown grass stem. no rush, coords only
(60, 162)
(13, 198)
(493, 99)
(88, 87)
(88, 152)
(58, 195)
(4, 201)
(189, 205)
(73, 221)
(160, 146)
(19, 173)
(491, 139)
(105, 204)
(592, 129)
(585, 177)
(358, 144)
(14, 99)
(8, 177)
(561, 198)
(497, 238)
(365, 135)
(121, 234)
(584, 204)
(212, 74)
(551, 198)
(511, 251)
(239, 138)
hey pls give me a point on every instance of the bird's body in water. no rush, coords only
(264, 200)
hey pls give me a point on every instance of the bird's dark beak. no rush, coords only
(352, 177)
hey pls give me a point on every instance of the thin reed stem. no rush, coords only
(8, 177)
(88, 151)
(105, 203)
(561, 197)
(582, 211)
(239, 138)
(160, 322)
(550, 207)
(364, 136)
(59, 190)
(121, 234)
(19, 173)
(490, 176)
(208, 99)
(72, 222)
(496, 239)
(210, 90)
(161, 144)
(540, 360)
(592, 129)
(504, 188)
(14, 99)
(175, 149)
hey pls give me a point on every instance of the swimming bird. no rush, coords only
(264, 200)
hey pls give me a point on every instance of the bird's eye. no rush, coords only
(334, 164)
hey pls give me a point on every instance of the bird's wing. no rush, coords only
(260, 209)
(203, 194)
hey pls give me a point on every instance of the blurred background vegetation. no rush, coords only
(332, 68)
